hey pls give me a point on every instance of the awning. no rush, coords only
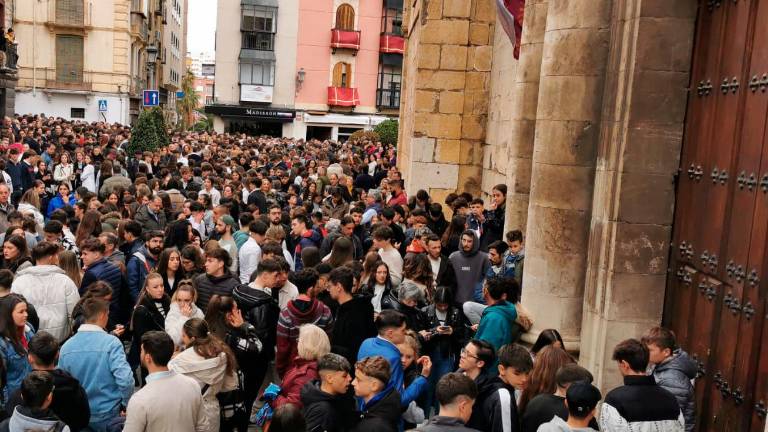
(392, 60)
(393, 4)
(253, 113)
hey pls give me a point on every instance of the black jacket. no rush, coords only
(542, 408)
(445, 275)
(70, 402)
(382, 413)
(324, 412)
(353, 325)
(643, 404)
(146, 317)
(208, 286)
(258, 199)
(446, 344)
(261, 310)
(414, 318)
(495, 400)
(445, 424)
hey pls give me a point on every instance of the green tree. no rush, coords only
(149, 132)
(387, 131)
(187, 105)
(205, 124)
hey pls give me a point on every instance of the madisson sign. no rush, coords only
(252, 112)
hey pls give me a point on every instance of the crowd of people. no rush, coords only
(227, 280)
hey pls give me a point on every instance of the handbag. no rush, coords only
(232, 403)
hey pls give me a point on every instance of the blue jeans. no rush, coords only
(107, 422)
(441, 365)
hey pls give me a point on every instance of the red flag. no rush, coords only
(511, 17)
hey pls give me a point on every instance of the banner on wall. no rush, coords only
(511, 17)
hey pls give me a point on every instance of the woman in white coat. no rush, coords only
(210, 362)
(88, 176)
(64, 171)
(183, 309)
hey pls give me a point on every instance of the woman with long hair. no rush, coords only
(16, 333)
(183, 308)
(68, 262)
(30, 204)
(542, 377)
(192, 261)
(369, 266)
(417, 268)
(15, 253)
(149, 314)
(178, 234)
(313, 343)
(379, 285)
(169, 267)
(547, 337)
(226, 322)
(64, 171)
(452, 236)
(89, 226)
(210, 362)
(63, 198)
(341, 252)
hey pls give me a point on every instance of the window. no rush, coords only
(77, 113)
(69, 12)
(342, 75)
(388, 93)
(392, 22)
(69, 58)
(258, 41)
(259, 19)
(345, 17)
(258, 73)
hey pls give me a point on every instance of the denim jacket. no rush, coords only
(16, 364)
(97, 359)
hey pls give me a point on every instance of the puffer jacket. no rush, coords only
(262, 311)
(175, 320)
(675, 375)
(54, 295)
(103, 270)
(208, 286)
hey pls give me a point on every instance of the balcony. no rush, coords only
(391, 44)
(388, 99)
(138, 85)
(76, 80)
(260, 41)
(139, 28)
(345, 39)
(343, 96)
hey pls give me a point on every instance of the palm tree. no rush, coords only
(189, 103)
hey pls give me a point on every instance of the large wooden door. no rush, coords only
(717, 287)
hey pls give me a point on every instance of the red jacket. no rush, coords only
(291, 318)
(301, 372)
(398, 200)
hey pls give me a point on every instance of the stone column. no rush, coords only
(566, 140)
(632, 210)
(523, 108)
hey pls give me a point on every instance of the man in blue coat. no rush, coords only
(391, 327)
(97, 268)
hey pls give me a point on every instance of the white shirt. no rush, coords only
(287, 292)
(249, 257)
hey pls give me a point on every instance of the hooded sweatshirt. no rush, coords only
(559, 425)
(381, 413)
(298, 312)
(29, 419)
(327, 412)
(470, 268)
(497, 324)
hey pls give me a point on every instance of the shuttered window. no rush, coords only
(69, 12)
(69, 58)
(342, 75)
(345, 17)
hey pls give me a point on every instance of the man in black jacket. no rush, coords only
(354, 316)
(70, 402)
(328, 406)
(545, 406)
(217, 279)
(495, 406)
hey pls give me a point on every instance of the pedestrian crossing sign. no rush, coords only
(102, 105)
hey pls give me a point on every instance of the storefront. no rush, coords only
(252, 120)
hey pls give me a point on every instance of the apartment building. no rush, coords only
(74, 58)
(307, 68)
(8, 77)
(172, 53)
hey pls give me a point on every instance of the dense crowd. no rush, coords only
(228, 280)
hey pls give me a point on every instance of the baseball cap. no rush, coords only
(229, 220)
(582, 398)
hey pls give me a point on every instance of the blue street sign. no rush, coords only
(179, 94)
(151, 98)
(102, 105)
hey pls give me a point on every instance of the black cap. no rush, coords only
(582, 398)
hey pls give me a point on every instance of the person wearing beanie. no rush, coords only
(581, 400)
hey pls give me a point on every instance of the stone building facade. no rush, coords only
(585, 129)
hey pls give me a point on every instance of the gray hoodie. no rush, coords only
(42, 422)
(470, 269)
(559, 425)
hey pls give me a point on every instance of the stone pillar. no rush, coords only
(632, 210)
(566, 140)
(446, 77)
(523, 127)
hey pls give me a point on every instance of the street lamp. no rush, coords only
(300, 77)
(151, 60)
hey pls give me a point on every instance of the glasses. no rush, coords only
(465, 353)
